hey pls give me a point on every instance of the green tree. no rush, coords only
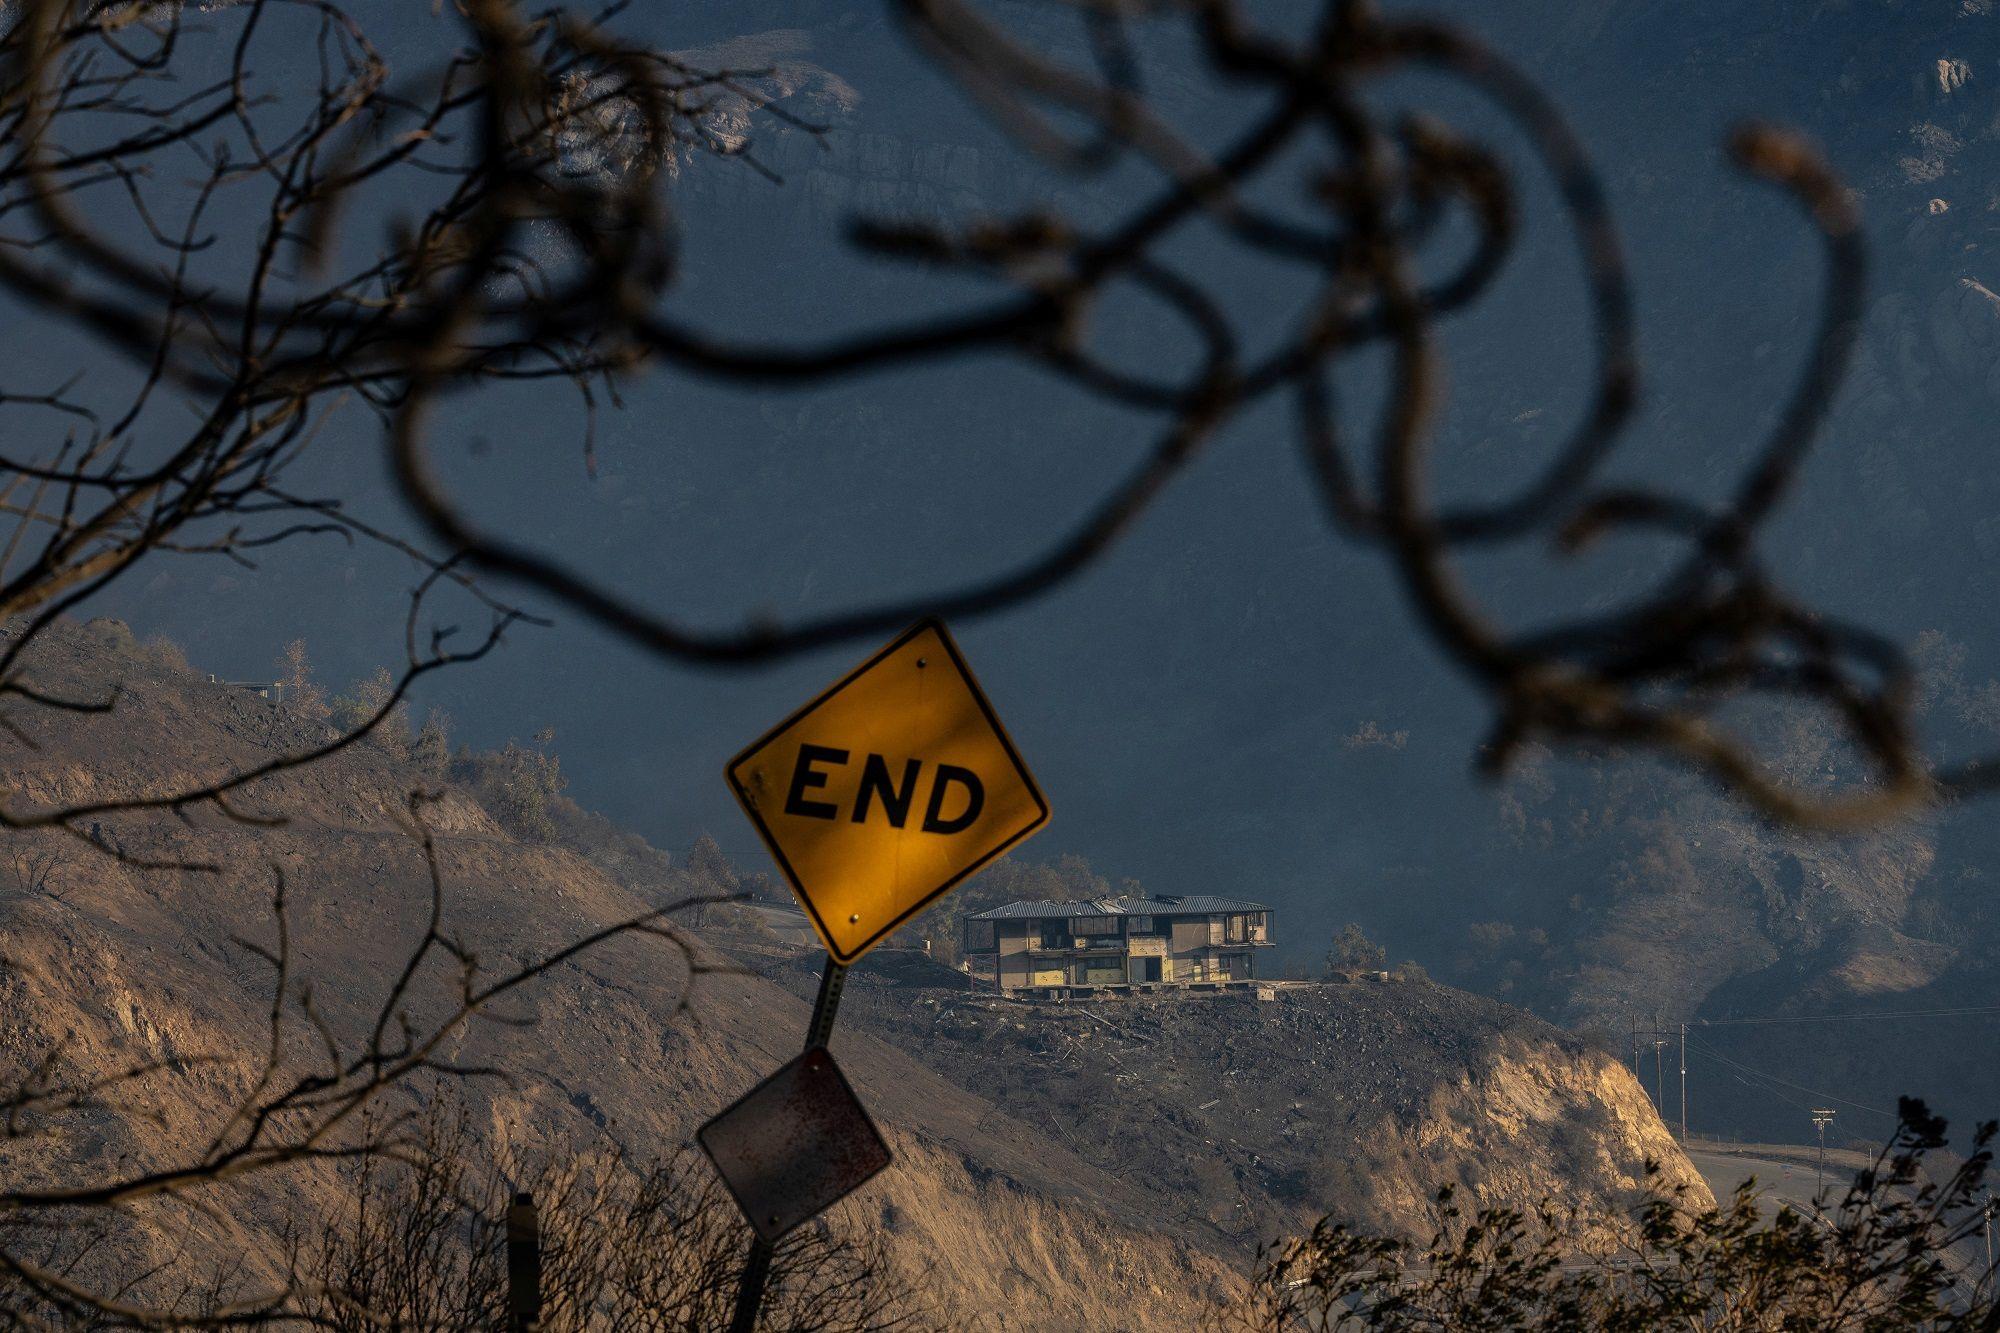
(363, 701)
(1353, 951)
(302, 694)
(710, 869)
(431, 750)
(520, 786)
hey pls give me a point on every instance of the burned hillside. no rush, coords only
(1137, 1149)
(1248, 1117)
(628, 1047)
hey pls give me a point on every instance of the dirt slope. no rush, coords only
(126, 965)
(1251, 1118)
(1071, 1172)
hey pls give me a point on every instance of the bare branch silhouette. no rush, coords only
(549, 121)
(314, 1096)
(364, 240)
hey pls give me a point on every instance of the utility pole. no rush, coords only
(1684, 1084)
(1989, 1234)
(1821, 1118)
(1659, 1073)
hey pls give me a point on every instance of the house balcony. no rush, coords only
(1077, 948)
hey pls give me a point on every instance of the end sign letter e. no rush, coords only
(885, 791)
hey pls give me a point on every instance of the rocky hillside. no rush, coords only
(1813, 971)
(1106, 1169)
(1249, 1117)
(117, 965)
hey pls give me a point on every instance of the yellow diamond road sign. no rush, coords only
(888, 789)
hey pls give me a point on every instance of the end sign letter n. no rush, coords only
(885, 791)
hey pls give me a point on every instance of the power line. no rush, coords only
(1714, 1054)
(1770, 1091)
(1760, 1083)
(1965, 1012)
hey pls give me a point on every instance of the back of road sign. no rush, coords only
(888, 789)
(794, 1145)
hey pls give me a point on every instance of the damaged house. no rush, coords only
(1117, 942)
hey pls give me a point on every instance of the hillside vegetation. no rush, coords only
(1071, 1173)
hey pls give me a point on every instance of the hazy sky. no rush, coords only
(1197, 706)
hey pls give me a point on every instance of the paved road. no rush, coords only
(1791, 1182)
(1780, 1182)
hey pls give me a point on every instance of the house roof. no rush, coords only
(1195, 905)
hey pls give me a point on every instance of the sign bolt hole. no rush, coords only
(853, 918)
(922, 662)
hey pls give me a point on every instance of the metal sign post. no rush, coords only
(750, 1288)
(832, 980)
(757, 1266)
(875, 799)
